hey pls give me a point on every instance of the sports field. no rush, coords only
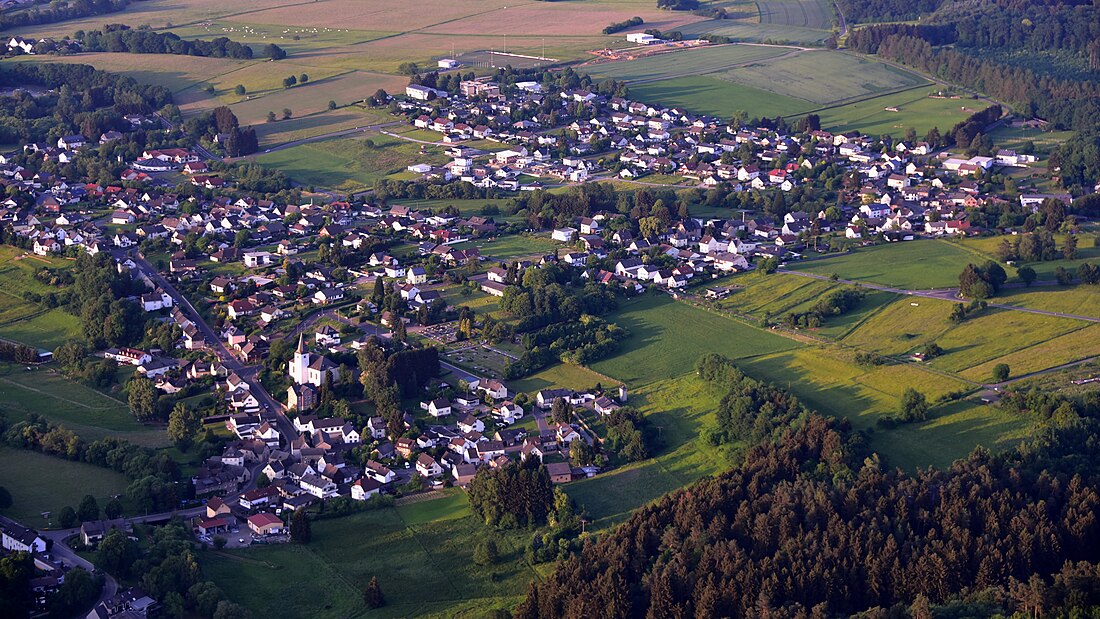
(421, 553)
(40, 483)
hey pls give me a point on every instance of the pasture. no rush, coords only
(910, 265)
(513, 246)
(425, 546)
(40, 483)
(1077, 300)
(692, 61)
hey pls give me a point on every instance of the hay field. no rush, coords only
(692, 61)
(915, 109)
(564, 19)
(314, 96)
(815, 14)
(706, 95)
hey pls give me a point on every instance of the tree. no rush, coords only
(331, 104)
(561, 411)
(931, 350)
(1026, 274)
(88, 510)
(1069, 247)
(274, 52)
(271, 117)
(67, 518)
(300, 529)
(580, 453)
(914, 406)
(303, 78)
(5, 498)
(372, 595)
(1001, 372)
(239, 90)
(485, 553)
(289, 82)
(142, 397)
(286, 113)
(113, 508)
(183, 423)
(229, 610)
(74, 595)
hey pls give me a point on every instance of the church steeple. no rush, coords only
(301, 343)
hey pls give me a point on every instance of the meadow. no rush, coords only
(40, 483)
(421, 553)
(513, 246)
(914, 109)
(708, 95)
(667, 337)
(692, 61)
(348, 164)
(910, 265)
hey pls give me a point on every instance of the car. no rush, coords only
(240, 540)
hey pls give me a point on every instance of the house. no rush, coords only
(265, 524)
(566, 434)
(416, 275)
(438, 407)
(494, 389)
(545, 398)
(426, 466)
(469, 423)
(379, 472)
(19, 538)
(129, 356)
(364, 488)
(559, 472)
(91, 533)
(72, 142)
(565, 235)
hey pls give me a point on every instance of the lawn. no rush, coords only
(40, 483)
(560, 376)
(347, 164)
(667, 337)
(421, 553)
(513, 246)
(910, 265)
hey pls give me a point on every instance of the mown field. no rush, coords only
(422, 555)
(914, 109)
(708, 95)
(40, 483)
(21, 320)
(513, 246)
(693, 61)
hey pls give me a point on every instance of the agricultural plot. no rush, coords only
(411, 549)
(1077, 300)
(911, 265)
(685, 62)
(1015, 138)
(1087, 251)
(346, 164)
(40, 483)
(298, 128)
(560, 376)
(313, 97)
(707, 95)
(46, 330)
(816, 14)
(750, 30)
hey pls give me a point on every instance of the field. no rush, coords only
(1015, 137)
(421, 554)
(694, 61)
(87, 412)
(23, 321)
(667, 338)
(40, 483)
(347, 164)
(784, 21)
(513, 246)
(915, 109)
(560, 376)
(708, 95)
(1078, 300)
(911, 265)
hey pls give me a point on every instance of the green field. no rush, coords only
(513, 246)
(83, 410)
(910, 265)
(1077, 300)
(1005, 136)
(421, 553)
(21, 320)
(40, 483)
(348, 164)
(915, 109)
(560, 376)
(681, 63)
(667, 337)
(708, 95)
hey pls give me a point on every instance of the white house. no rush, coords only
(19, 538)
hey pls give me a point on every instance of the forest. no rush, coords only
(122, 38)
(809, 526)
(59, 11)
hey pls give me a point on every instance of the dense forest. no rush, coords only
(59, 10)
(809, 527)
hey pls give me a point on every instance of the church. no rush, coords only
(307, 369)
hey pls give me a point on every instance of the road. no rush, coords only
(943, 294)
(246, 372)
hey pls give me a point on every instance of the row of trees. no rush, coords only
(59, 11)
(122, 38)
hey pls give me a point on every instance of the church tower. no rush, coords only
(299, 364)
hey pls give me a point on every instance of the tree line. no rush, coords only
(122, 38)
(59, 11)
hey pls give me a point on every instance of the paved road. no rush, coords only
(945, 294)
(246, 372)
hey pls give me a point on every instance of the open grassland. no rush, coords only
(299, 127)
(1077, 300)
(1046, 354)
(903, 326)
(914, 109)
(996, 333)
(667, 337)
(313, 97)
(911, 265)
(1015, 138)
(560, 376)
(751, 30)
(708, 95)
(88, 412)
(347, 164)
(421, 553)
(40, 483)
(46, 330)
(513, 246)
(21, 320)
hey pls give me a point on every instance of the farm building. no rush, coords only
(641, 38)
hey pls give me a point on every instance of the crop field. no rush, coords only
(667, 337)
(1078, 300)
(412, 549)
(815, 14)
(751, 30)
(914, 109)
(912, 265)
(40, 483)
(347, 164)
